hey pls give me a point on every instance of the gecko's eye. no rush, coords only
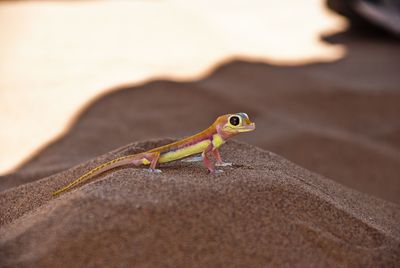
(234, 120)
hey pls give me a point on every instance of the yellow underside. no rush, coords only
(184, 152)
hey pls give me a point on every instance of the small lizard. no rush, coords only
(206, 142)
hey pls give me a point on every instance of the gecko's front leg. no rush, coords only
(219, 162)
(207, 160)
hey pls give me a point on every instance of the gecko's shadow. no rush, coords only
(339, 119)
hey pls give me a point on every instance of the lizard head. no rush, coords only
(231, 124)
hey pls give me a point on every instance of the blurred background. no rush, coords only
(58, 55)
(326, 97)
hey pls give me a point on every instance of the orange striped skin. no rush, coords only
(205, 134)
(206, 142)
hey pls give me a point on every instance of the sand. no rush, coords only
(263, 211)
(340, 120)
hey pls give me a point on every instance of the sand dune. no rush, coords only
(262, 211)
(348, 133)
(340, 120)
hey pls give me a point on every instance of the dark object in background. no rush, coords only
(370, 15)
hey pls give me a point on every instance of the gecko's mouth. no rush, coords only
(247, 128)
(237, 129)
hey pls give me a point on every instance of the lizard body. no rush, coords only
(206, 142)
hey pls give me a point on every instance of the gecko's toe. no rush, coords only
(223, 164)
(151, 170)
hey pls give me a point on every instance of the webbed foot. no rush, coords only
(153, 170)
(217, 171)
(223, 164)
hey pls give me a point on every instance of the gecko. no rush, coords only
(205, 143)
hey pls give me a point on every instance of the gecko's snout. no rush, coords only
(248, 127)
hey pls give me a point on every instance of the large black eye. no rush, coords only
(234, 120)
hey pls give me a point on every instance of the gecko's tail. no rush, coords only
(95, 171)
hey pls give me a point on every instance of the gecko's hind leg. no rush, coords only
(152, 159)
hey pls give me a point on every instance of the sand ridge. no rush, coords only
(264, 210)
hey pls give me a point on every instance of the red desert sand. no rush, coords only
(263, 211)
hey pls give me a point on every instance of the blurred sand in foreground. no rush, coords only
(264, 212)
(56, 56)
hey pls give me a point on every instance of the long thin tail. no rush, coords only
(97, 170)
